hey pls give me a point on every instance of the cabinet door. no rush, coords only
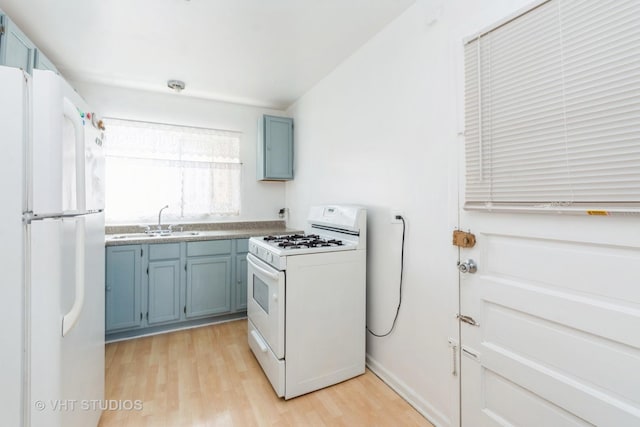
(278, 147)
(43, 63)
(208, 285)
(123, 288)
(164, 291)
(241, 282)
(16, 50)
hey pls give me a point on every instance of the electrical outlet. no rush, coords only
(394, 214)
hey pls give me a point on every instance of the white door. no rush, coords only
(556, 302)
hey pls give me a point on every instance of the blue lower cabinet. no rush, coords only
(242, 247)
(208, 286)
(123, 289)
(241, 282)
(156, 287)
(164, 291)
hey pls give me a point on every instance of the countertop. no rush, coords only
(134, 235)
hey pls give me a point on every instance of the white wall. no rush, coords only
(260, 200)
(382, 130)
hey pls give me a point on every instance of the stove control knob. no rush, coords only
(269, 257)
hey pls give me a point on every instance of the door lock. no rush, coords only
(469, 266)
(467, 319)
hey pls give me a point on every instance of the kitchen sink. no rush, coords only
(129, 236)
(153, 235)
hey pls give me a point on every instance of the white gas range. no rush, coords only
(306, 301)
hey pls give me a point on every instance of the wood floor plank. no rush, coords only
(208, 376)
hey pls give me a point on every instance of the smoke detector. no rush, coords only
(176, 85)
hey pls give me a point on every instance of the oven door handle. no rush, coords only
(269, 274)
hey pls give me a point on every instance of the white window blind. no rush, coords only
(193, 170)
(553, 108)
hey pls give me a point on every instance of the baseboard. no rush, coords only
(173, 327)
(435, 417)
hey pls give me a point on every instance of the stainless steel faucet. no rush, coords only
(160, 217)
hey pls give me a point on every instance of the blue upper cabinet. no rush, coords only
(275, 149)
(16, 50)
(43, 63)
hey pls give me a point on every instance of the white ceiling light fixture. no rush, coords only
(177, 85)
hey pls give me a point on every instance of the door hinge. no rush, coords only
(454, 352)
(463, 239)
(185, 267)
(184, 309)
(141, 316)
(467, 319)
(147, 271)
(147, 316)
(141, 252)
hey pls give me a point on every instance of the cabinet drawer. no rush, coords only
(272, 367)
(164, 251)
(242, 246)
(209, 247)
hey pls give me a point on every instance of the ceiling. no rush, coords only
(257, 52)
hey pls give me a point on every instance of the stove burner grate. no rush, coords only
(299, 241)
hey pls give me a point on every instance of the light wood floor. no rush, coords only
(208, 377)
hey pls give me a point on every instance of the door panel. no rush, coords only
(164, 291)
(241, 282)
(278, 147)
(208, 285)
(18, 49)
(46, 250)
(266, 294)
(558, 309)
(82, 361)
(496, 410)
(123, 299)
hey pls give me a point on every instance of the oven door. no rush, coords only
(265, 302)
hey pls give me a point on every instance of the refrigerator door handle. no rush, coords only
(71, 318)
(72, 113)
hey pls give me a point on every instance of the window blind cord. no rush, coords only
(564, 108)
(393, 325)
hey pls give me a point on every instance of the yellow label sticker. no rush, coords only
(597, 213)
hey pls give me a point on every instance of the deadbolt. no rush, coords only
(469, 266)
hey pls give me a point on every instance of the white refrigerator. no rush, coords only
(52, 252)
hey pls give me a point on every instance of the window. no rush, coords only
(195, 171)
(553, 109)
